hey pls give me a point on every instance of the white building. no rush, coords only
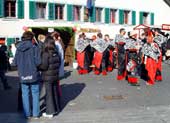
(108, 16)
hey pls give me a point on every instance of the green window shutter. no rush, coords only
(107, 15)
(141, 18)
(1, 8)
(32, 10)
(51, 10)
(10, 41)
(69, 12)
(152, 18)
(121, 16)
(20, 9)
(93, 14)
(133, 17)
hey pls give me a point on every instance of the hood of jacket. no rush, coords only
(24, 46)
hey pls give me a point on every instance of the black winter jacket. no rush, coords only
(50, 66)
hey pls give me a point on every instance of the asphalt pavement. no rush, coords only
(97, 99)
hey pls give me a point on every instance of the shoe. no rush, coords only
(28, 118)
(35, 118)
(149, 84)
(85, 71)
(7, 87)
(104, 73)
(80, 72)
(32, 118)
(120, 77)
(96, 72)
(48, 115)
(134, 84)
(158, 78)
(109, 69)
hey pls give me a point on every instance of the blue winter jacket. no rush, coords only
(27, 59)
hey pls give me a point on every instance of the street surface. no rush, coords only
(97, 99)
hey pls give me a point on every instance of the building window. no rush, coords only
(86, 14)
(145, 18)
(41, 10)
(59, 10)
(99, 14)
(76, 13)
(113, 15)
(10, 8)
(126, 17)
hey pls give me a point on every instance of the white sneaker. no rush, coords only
(47, 115)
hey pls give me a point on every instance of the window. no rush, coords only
(113, 15)
(86, 14)
(126, 17)
(10, 8)
(145, 18)
(41, 10)
(59, 10)
(99, 14)
(76, 13)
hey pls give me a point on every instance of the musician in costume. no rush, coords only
(132, 47)
(161, 41)
(100, 54)
(142, 70)
(82, 54)
(109, 59)
(152, 53)
(120, 41)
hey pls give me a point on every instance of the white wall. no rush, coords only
(159, 7)
(13, 27)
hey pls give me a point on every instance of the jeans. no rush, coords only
(27, 89)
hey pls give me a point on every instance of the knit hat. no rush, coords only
(27, 35)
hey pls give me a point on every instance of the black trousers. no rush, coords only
(105, 59)
(52, 98)
(86, 61)
(121, 63)
(121, 59)
(3, 79)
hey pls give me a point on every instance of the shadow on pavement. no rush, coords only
(9, 102)
(9, 98)
(70, 92)
(66, 74)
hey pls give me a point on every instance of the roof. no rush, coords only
(167, 2)
(141, 26)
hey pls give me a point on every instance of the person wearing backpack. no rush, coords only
(27, 59)
(50, 66)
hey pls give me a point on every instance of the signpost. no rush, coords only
(166, 27)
